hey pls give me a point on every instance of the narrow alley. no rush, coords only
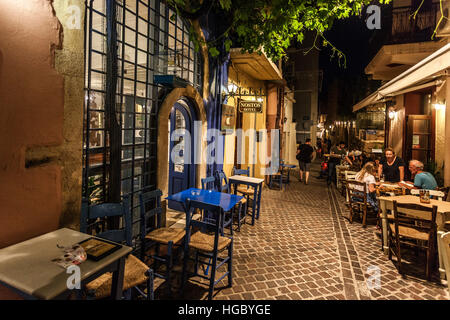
(303, 247)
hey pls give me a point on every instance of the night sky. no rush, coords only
(359, 44)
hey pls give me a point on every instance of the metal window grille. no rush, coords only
(124, 43)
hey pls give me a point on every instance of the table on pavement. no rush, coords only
(27, 269)
(256, 184)
(443, 215)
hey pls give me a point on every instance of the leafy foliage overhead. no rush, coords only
(271, 24)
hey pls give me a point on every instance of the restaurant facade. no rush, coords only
(411, 102)
(93, 96)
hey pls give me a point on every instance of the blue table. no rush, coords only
(225, 200)
(289, 167)
(256, 184)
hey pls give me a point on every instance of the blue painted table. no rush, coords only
(289, 167)
(256, 184)
(225, 200)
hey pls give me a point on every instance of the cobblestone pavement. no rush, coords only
(302, 247)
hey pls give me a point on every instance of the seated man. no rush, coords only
(422, 179)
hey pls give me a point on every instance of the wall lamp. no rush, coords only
(439, 105)
(392, 114)
(230, 92)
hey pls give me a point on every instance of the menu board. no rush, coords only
(97, 249)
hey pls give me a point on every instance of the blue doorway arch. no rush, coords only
(182, 168)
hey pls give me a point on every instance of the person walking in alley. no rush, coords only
(319, 148)
(392, 167)
(337, 153)
(304, 155)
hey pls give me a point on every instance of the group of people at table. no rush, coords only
(391, 169)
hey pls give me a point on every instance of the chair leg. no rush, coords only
(399, 257)
(351, 214)
(196, 263)
(184, 272)
(364, 217)
(230, 264)
(213, 276)
(155, 261)
(150, 293)
(239, 216)
(169, 264)
(430, 257)
(231, 221)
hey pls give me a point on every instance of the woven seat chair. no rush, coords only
(244, 190)
(276, 178)
(445, 241)
(357, 197)
(224, 186)
(153, 235)
(207, 243)
(136, 272)
(413, 225)
(348, 176)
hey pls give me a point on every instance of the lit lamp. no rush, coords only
(392, 114)
(439, 106)
(231, 92)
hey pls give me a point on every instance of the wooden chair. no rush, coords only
(224, 186)
(445, 241)
(413, 225)
(285, 176)
(244, 190)
(153, 235)
(439, 195)
(357, 196)
(222, 181)
(136, 272)
(445, 190)
(207, 243)
(349, 176)
(209, 183)
(276, 178)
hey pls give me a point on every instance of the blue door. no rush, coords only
(181, 164)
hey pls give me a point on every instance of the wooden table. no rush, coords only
(26, 267)
(443, 215)
(256, 183)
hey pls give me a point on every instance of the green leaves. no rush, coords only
(213, 52)
(273, 24)
(228, 44)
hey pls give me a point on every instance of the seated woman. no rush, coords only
(367, 175)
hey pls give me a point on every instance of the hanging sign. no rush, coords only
(250, 106)
(228, 117)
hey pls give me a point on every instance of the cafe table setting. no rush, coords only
(443, 216)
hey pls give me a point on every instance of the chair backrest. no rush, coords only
(445, 241)
(222, 182)
(150, 210)
(92, 214)
(211, 224)
(245, 172)
(416, 215)
(433, 193)
(356, 191)
(350, 175)
(209, 183)
(445, 190)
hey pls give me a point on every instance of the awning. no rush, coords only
(421, 75)
(258, 66)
